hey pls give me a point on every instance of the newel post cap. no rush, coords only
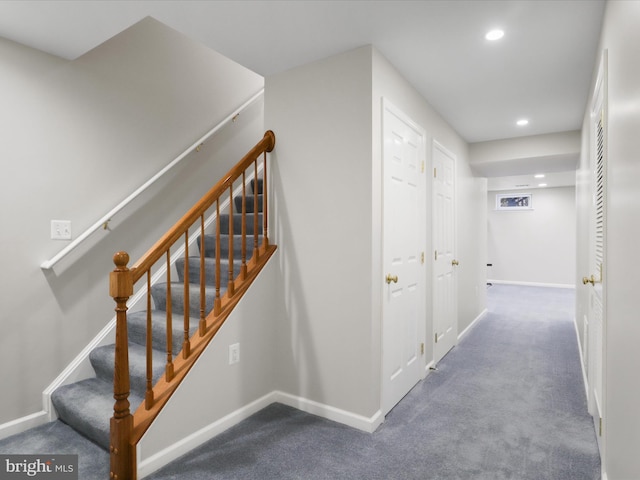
(121, 279)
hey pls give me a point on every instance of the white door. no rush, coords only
(445, 311)
(404, 232)
(594, 278)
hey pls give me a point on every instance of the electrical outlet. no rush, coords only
(234, 353)
(60, 230)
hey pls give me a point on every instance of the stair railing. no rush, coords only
(103, 222)
(127, 428)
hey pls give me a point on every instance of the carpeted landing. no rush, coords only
(507, 403)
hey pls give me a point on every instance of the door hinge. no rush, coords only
(600, 429)
(422, 258)
(422, 348)
(436, 337)
(435, 255)
(422, 168)
(435, 172)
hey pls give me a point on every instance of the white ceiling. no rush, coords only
(540, 70)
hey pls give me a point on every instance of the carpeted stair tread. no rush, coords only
(58, 437)
(137, 329)
(103, 359)
(210, 245)
(159, 294)
(87, 406)
(237, 223)
(209, 270)
(260, 186)
(249, 202)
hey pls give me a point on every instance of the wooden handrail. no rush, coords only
(127, 429)
(154, 253)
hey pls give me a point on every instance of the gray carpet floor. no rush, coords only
(507, 403)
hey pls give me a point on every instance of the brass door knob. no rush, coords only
(455, 262)
(591, 280)
(393, 279)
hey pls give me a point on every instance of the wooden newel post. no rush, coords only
(121, 451)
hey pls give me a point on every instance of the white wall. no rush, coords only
(621, 422)
(535, 246)
(321, 113)
(327, 164)
(472, 246)
(77, 138)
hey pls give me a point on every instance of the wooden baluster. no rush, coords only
(231, 283)
(186, 343)
(122, 454)
(255, 210)
(169, 366)
(148, 397)
(216, 301)
(243, 267)
(202, 325)
(264, 202)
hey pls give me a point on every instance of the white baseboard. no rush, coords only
(367, 424)
(164, 457)
(158, 460)
(482, 314)
(532, 284)
(20, 425)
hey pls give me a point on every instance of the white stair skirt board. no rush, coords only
(22, 424)
(532, 284)
(482, 314)
(146, 466)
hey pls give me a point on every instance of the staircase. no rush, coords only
(181, 321)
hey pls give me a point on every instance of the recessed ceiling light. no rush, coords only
(542, 184)
(522, 122)
(539, 175)
(493, 35)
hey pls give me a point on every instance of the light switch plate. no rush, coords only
(60, 229)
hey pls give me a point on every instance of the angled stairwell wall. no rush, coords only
(216, 395)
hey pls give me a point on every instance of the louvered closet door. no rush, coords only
(596, 321)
